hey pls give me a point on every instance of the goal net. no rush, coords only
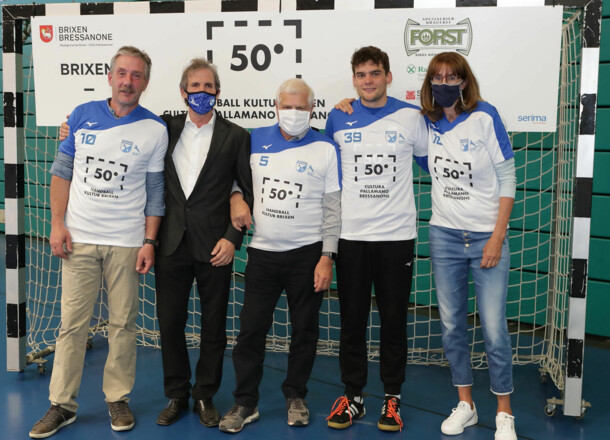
(539, 242)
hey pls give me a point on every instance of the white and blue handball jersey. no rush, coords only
(461, 158)
(289, 179)
(377, 149)
(111, 159)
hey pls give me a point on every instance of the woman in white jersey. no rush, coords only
(471, 163)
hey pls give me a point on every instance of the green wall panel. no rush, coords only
(598, 304)
(601, 175)
(599, 261)
(541, 141)
(604, 50)
(600, 213)
(38, 172)
(530, 251)
(37, 221)
(603, 92)
(535, 168)
(531, 211)
(602, 130)
(533, 288)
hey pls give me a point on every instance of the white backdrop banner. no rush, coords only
(514, 52)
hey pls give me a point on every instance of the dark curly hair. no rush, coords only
(370, 53)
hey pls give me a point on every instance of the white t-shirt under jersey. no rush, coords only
(377, 149)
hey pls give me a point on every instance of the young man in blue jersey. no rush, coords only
(106, 207)
(296, 181)
(378, 142)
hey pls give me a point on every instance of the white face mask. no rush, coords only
(294, 122)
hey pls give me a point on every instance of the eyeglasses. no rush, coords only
(452, 79)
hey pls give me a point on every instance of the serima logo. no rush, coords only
(46, 33)
(435, 37)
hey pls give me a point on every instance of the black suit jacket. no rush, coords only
(205, 216)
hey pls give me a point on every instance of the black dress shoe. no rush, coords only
(172, 411)
(208, 414)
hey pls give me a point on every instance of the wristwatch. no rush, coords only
(150, 241)
(331, 255)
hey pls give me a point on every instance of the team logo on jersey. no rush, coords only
(126, 146)
(310, 170)
(390, 136)
(401, 139)
(468, 145)
(46, 33)
(301, 166)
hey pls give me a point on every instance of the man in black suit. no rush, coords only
(205, 156)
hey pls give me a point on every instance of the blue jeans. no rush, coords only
(454, 253)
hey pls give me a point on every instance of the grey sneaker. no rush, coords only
(234, 420)
(298, 414)
(55, 419)
(121, 417)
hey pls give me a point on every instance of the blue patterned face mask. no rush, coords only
(201, 102)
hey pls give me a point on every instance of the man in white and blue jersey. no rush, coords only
(106, 207)
(378, 142)
(296, 182)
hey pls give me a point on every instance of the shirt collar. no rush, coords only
(112, 112)
(210, 124)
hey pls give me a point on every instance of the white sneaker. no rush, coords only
(461, 417)
(505, 427)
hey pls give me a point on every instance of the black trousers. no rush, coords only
(388, 266)
(267, 275)
(174, 278)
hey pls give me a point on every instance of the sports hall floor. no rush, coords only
(427, 399)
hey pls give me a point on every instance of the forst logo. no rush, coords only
(46, 33)
(434, 37)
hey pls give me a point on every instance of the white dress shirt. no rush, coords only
(191, 151)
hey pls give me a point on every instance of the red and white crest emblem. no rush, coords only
(46, 33)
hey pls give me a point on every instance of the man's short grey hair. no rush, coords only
(134, 52)
(294, 86)
(196, 64)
